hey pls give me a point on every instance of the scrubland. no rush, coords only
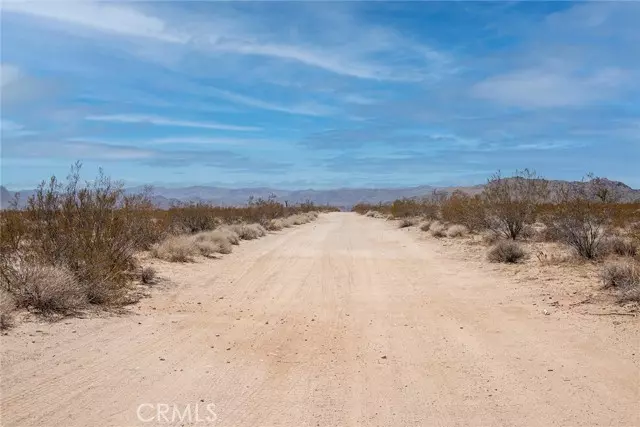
(579, 236)
(79, 245)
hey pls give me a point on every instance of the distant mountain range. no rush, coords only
(343, 197)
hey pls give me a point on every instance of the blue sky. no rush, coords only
(319, 94)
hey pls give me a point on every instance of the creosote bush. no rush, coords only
(461, 208)
(90, 231)
(511, 202)
(581, 219)
(506, 251)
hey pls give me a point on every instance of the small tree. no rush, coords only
(511, 202)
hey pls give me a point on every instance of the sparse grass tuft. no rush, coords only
(506, 251)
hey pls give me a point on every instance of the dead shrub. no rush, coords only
(210, 242)
(148, 275)
(506, 251)
(511, 202)
(48, 288)
(436, 229)
(229, 234)
(7, 305)
(249, 231)
(624, 277)
(490, 237)
(407, 222)
(551, 259)
(275, 225)
(457, 230)
(620, 246)
(620, 275)
(176, 249)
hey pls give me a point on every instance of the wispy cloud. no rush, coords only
(165, 121)
(548, 88)
(307, 109)
(106, 17)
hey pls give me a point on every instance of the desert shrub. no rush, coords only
(148, 275)
(436, 229)
(216, 241)
(490, 237)
(275, 224)
(192, 217)
(580, 219)
(547, 233)
(511, 202)
(620, 246)
(370, 214)
(624, 277)
(461, 208)
(91, 229)
(249, 231)
(229, 233)
(381, 209)
(7, 305)
(176, 249)
(48, 288)
(457, 230)
(424, 226)
(405, 208)
(506, 251)
(407, 222)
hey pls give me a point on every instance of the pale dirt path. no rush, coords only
(346, 321)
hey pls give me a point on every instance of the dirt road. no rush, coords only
(346, 321)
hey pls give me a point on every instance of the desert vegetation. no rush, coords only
(516, 216)
(76, 244)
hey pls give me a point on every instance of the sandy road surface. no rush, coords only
(346, 321)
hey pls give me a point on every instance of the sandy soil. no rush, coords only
(344, 321)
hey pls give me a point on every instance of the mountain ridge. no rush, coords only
(344, 197)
